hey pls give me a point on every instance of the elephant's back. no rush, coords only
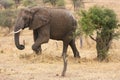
(61, 23)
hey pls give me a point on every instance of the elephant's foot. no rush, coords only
(76, 55)
(37, 50)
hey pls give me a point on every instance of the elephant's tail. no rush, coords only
(74, 24)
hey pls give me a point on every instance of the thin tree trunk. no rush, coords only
(102, 45)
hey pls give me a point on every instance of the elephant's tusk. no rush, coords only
(16, 31)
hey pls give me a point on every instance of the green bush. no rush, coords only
(103, 22)
(7, 3)
(60, 3)
(28, 3)
(7, 18)
(55, 2)
(52, 2)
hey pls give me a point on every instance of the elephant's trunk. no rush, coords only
(17, 43)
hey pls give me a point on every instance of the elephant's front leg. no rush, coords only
(36, 46)
(35, 36)
(74, 49)
(42, 35)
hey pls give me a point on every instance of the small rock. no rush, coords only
(57, 74)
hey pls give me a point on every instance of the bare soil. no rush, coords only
(25, 65)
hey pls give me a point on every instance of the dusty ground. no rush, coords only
(25, 65)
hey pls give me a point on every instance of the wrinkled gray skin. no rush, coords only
(47, 23)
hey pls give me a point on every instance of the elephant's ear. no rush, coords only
(40, 18)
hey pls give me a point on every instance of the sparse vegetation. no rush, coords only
(77, 4)
(60, 3)
(52, 2)
(17, 3)
(7, 3)
(7, 18)
(28, 3)
(55, 2)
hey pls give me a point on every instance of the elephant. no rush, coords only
(47, 23)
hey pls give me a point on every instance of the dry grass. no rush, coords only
(25, 65)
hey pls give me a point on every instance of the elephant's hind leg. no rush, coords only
(66, 42)
(74, 49)
(64, 55)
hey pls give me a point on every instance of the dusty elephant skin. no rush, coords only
(47, 23)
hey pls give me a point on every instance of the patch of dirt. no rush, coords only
(25, 65)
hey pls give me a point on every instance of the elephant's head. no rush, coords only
(32, 18)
